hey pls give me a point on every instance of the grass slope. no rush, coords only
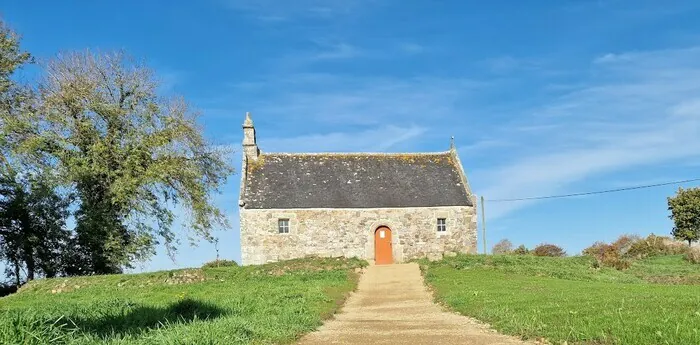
(566, 300)
(273, 303)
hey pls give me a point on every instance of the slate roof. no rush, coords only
(354, 180)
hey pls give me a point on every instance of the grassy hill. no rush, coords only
(656, 301)
(273, 303)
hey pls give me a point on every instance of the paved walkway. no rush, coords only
(392, 306)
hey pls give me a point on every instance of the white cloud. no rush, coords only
(371, 140)
(640, 109)
(362, 101)
(508, 64)
(279, 11)
(338, 51)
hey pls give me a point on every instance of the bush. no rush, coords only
(654, 246)
(521, 250)
(220, 263)
(546, 249)
(7, 289)
(626, 248)
(693, 255)
(502, 247)
(606, 255)
(625, 242)
(614, 254)
(596, 249)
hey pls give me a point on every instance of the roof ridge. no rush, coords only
(357, 153)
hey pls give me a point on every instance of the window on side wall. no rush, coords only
(283, 225)
(441, 224)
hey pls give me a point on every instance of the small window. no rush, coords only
(442, 225)
(283, 226)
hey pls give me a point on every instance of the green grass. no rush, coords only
(567, 300)
(268, 304)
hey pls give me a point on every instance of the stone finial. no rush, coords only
(250, 145)
(452, 143)
(248, 123)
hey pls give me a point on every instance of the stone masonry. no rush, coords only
(350, 233)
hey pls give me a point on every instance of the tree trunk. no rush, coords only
(31, 267)
(29, 239)
(18, 282)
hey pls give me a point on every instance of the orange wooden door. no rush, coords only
(382, 246)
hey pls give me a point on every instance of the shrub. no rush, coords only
(612, 255)
(616, 262)
(521, 250)
(693, 255)
(654, 245)
(596, 250)
(7, 289)
(220, 263)
(625, 242)
(546, 249)
(502, 247)
(626, 248)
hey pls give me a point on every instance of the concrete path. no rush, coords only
(392, 306)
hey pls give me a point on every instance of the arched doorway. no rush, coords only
(382, 246)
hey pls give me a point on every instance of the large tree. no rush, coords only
(131, 157)
(685, 212)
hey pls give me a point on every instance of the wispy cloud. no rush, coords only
(280, 11)
(639, 109)
(509, 64)
(372, 140)
(362, 101)
(482, 146)
(325, 50)
(337, 51)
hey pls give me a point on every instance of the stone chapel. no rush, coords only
(386, 207)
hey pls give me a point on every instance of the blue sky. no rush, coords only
(542, 97)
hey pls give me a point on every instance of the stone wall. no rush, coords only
(350, 233)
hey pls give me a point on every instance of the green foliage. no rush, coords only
(521, 250)
(32, 226)
(14, 99)
(693, 255)
(564, 300)
(268, 304)
(614, 254)
(33, 329)
(622, 252)
(503, 246)
(220, 263)
(11, 58)
(685, 212)
(546, 249)
(129, 155)
(654, 245)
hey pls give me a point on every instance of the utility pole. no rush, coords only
(216, 246)
(483, 222)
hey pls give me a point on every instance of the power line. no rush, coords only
(596, 192)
